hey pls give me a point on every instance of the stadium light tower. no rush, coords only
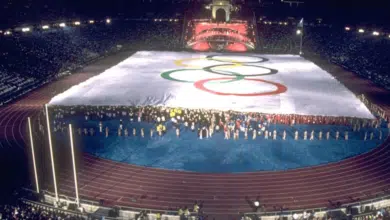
(26, 29)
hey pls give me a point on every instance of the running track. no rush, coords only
(364, 176)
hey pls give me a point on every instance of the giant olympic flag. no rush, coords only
(286, 84)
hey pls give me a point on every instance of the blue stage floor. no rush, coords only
(216, 155)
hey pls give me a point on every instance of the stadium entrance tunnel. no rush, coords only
(220, 15)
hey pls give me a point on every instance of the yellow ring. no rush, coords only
(181, 62)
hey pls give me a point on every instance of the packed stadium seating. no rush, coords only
(363, 54)
(277, 39)
(30, 59)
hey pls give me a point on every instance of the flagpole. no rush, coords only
(74, 165)
(301, 44)
(300, 47)
(33, 155)
(51, 153)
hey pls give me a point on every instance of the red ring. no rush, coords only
(280, 88)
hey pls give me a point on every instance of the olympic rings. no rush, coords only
(167, 75)
(212, 57)
(228, 64)
(279, 88)
(181, 62)
(209, 69)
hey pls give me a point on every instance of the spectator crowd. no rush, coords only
(22, 211)
(360, 53)
(31, 59)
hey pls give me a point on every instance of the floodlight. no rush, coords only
(285, 23)
(295, 216)
(7, 33)
(375, 33)
(256, 203)
(91, 21)
(26, 29)
(347, 28)
(108, 20)
(45, 27)
(299, 32)
(176, 20)
(62, 25)
(361, 30)
(77, 23)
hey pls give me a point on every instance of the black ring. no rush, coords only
(211, 57)
(209, 69)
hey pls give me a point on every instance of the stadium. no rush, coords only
(227, 115)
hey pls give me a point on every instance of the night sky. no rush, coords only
(20, 12)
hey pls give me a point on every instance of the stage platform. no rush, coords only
(285, 84)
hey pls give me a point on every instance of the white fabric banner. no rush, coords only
(286, 84)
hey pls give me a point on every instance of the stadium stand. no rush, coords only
(277, 39)
(363, 54)
(31, 60)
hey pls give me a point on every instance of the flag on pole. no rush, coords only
(300, 24)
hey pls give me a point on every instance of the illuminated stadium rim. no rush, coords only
(200, 84)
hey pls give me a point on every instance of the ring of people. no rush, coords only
(227, 64)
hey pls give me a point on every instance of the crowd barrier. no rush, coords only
(321, 212)
(377, 203)
(125, 213)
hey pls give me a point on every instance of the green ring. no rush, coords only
(167, 75)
